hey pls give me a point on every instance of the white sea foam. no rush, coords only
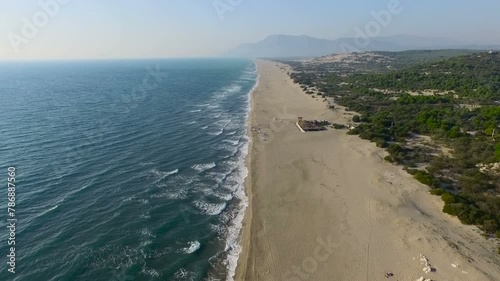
(204, 127)
(211, 209)
(233, 142)
(234, 177)
(147, 232)
(181, 180)
(49, 210)
(205, 188)
(171, 194)
(231, 89)
(83, 187)
(68, 194)
(114, 256)
(217, 176)
(246, 78)
(231, 164)
(233, 149)
(223, 123)
(161, 174)
(183, 274)
(145, 243)
(226, 92)
(233, 126)
(232, 182)
(145, 215)
(193, 246)
(219, 228)
(248, 75)
(216, 133)
(245, 138)
(233, 246)
(203, 167)
(223, 196)
(115, 215)
(196, 110)
(149, 271)
(128, 199)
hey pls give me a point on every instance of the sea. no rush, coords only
(124, 169)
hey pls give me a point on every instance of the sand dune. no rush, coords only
(325, 206)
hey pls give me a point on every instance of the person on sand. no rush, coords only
(389, 274)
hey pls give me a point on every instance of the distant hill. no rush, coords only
(283, 46)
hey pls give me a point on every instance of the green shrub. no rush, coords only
(411, 171)
(497, 151)
(394, 148)
(381, 143)
(490, 226)
(448, 198)
(498, 233)
(472, 215)
(437, 191)
(356, 119)
(426, 178)
(450, 209)
(364, 118)
(454, 209)
(366, 135)
(354, 131)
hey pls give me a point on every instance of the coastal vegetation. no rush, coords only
(437, 114)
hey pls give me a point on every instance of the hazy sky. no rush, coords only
(182, 28)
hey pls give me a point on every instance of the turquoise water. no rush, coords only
(126, 170)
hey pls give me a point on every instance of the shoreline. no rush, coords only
(234, 241)
(325, 205)
(247, 216)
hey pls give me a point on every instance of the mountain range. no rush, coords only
(281, 46)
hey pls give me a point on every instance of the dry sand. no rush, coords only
(325, 206)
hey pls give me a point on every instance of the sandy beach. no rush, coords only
(325, 205)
